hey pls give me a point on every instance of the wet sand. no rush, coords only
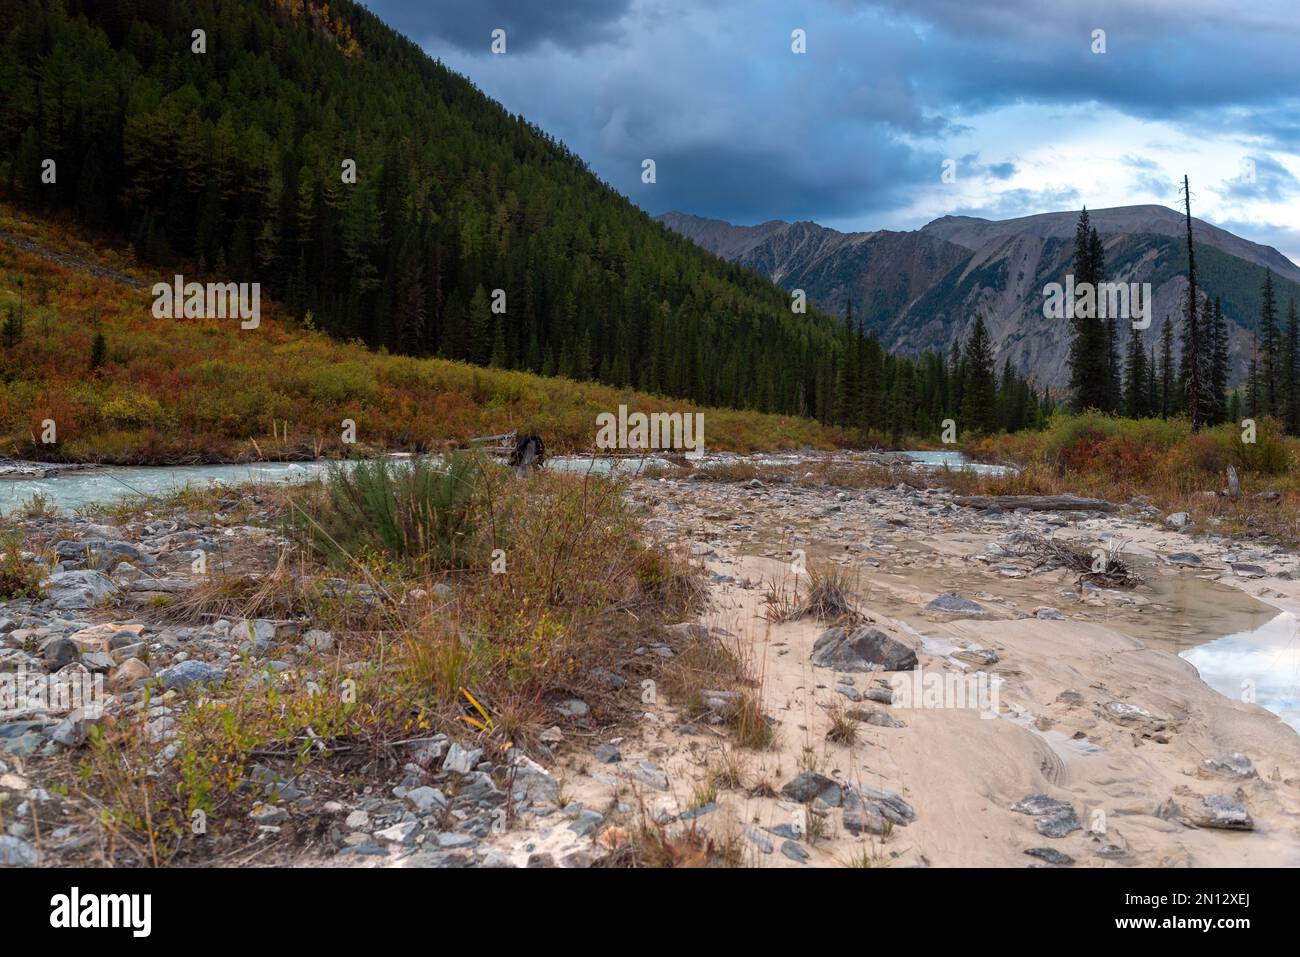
(1102, 709)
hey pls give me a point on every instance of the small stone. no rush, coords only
(192, 672)
(977, 656)
(607, 754)
(1221, 811)
(1235, 765)
(758, 840)
(460, 760)
(810, 785)
(318, 641)
(60, 652)
(795, 852)
(649, 773)
(573, 708)
(268, 814)
(15, 852)
(1051, 856)
(951, 605)
(874, 716)
(357, 821)
(587, 822)
(861, 817)
(399, 833)
(98, 661)
(1047, 613)
(448, 840)
(425, 799)
(129, 674)
(79, 589)
(1178, 520)
(1055, 818)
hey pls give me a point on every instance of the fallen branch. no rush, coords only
(1037, 503)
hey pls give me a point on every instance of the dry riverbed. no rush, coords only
(1081, 739)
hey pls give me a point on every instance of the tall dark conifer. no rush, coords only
(1270, 380)
(979, 403)
(1192, 358)
(1135, 377)
(1089, 360)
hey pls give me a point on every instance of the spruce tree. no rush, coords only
(1270, 393)
(1089, 361)
(1218, 375)
(98, 351)
(1153, 386)
(1192, 357)
(1169, 403)
(12, 331)
(979, 403)
(1291, 370)
(1135, 377)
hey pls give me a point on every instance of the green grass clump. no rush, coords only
(423, 514)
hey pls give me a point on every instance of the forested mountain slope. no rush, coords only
(231, 161)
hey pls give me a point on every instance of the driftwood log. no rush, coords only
(1037, 503)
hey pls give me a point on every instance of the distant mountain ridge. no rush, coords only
(922, 289)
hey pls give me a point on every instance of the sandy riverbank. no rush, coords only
(1095, 709)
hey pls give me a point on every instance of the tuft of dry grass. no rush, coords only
(581, 590)
(842, 729)
(826, 596)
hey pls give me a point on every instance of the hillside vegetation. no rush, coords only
(180, 390)
(235, 162)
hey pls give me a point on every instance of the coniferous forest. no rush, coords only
(465, 233)
(1151, 384)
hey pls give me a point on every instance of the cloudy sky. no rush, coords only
(855, 132)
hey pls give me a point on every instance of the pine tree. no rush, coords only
(1090, 354)
(1218, 375)
(98, 351)
(979, 403)
(1291, 370)
(1168, 395)
(956, 381)
(1192, 357)
(12, 331)
(1135, 377)
(1270, 392)
(1153, 386)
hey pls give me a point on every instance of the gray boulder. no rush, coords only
(809, 786)
(84, 588)
(862, 649)
(954, 606)
(189, 673)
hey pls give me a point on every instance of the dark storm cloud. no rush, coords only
(742, 186)
(1161, 59)
(468, 24)
(856, 130)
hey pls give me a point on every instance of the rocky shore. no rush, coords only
(1093, 744)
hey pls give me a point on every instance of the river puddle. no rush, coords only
(1242, 647)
